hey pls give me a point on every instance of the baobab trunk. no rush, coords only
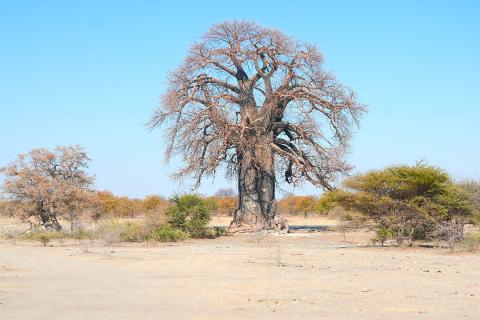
(257, 208)
(266, 96)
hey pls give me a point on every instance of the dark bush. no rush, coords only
(190, 214)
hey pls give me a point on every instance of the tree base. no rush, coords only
(278, 225)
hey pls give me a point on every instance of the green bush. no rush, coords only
(197, 229)
(191, 214)
(166, 233)
(407, 201)
(382, 234)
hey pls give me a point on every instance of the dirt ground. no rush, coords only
(305, 275)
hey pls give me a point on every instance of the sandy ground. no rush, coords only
(296, 276)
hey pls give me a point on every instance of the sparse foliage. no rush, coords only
(45, 185)
(347, 220)
(258, 103)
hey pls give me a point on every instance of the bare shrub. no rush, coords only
(347, 220)
(11, 235)
(449, 231)
(113, 231)
(471, 242)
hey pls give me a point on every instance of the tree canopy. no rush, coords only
(241, 81)
(259, 104)
(408, 201)
(45, 184)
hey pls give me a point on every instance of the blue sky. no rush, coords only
(91, 73)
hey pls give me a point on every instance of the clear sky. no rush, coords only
(91, 73)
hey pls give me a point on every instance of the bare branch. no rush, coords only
(251, 96)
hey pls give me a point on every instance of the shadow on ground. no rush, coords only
(310, 228)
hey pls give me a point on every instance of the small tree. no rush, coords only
(46, 185)
(410, 202)
(225, 193)
(102, 203)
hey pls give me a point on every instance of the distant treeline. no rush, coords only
(106, 204)
(401, 203)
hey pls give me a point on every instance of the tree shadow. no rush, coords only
(310, 228)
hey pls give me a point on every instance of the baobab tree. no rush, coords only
(259, 104)
(45, 184)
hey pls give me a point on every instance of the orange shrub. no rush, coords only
(294, 205)
(225, 205)
(154, 203)
(107, 203)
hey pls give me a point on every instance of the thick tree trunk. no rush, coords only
(49, 220)
(257, 209)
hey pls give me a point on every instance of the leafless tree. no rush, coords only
(258, 103)
(44, 184)
(225, 192)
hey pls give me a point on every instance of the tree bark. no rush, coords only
(257, 208)
(50, 222)
(49, 219)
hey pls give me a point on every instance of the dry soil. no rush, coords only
(306, 275)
